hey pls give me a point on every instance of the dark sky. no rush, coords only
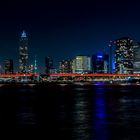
(64, 29)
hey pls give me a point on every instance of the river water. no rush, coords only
(71, 112)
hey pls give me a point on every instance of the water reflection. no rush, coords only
(26, 118)
(101, 113)
(81, 117)
(100, 128)
(127, 117)
(26, 115)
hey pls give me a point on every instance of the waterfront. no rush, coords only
(72, 112)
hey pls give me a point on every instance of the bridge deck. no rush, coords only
(71, 75)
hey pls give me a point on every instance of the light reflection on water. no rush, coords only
(81, 118)
(99, 113)
(26, 117)
(100, 116)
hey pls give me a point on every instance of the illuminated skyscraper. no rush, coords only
(100, 63)
(65, 66)
(23, 53)
(8, 66)
(112, 48)
(124, 56)
(31, 69)
(137, 58)
(82, 64)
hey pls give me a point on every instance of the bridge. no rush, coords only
(17, 75)
(59, 77)
(70, 75)
(94, 75)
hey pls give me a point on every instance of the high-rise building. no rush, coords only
(65, 66)
(124, 56)
(100, 63)
(136, 65)
(8, 66)
(112, 48)
(82, 64)
(48, 64)
(31, 69)
(23, 53)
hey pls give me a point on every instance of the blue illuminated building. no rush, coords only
(112, 48)
(100, 63)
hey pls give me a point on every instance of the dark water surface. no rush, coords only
(71, 112)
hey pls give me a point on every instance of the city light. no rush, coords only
(99, 56)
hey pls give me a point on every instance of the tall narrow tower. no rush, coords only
(112, 48)
(35, 65)
(23, 53)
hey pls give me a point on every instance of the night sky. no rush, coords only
(64, 29)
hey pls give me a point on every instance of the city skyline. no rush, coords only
(65, 29)
(23, 55)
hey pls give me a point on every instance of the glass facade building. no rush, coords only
(82, 64)
(136, 65)
(124, 56)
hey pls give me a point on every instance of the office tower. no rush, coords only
(124, 56)
(48, 64)
(65, 66)
(112, 48)
(23, 53)
(8, 66)
(136, 65)
(1, 69)
(31, 69)
(100, 63)
(82, 64)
